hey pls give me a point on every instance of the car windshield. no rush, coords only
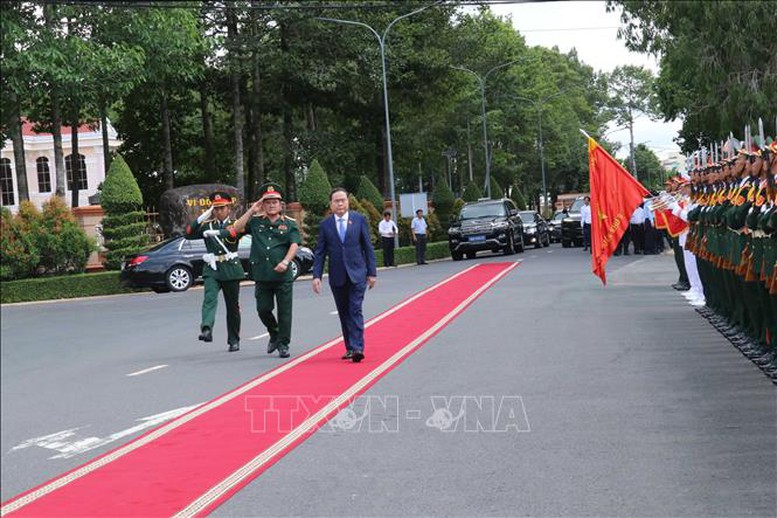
(527, 217)
(576, 205)
(559, 216)
(490, 210)
(163, 244)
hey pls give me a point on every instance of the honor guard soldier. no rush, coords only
(222, 269)
(275, 240)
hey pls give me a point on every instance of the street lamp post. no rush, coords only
(539, 104)
(382, 46)
(482, 83)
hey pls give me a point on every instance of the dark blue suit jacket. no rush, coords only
(352, 260)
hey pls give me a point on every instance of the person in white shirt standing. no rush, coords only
(637, 226)
(585, 222)
(387, 230)
(418, 231)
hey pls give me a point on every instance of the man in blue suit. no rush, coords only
(345, 238)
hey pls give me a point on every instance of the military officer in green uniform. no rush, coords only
(275, 240)
(222, 269)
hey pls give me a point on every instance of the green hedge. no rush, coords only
(406, 254)
(62, 287)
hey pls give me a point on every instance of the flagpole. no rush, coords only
(584, 133)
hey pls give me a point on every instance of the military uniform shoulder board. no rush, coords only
(288, 218)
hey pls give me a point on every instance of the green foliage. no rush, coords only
(314, 197)
(496, 190)
(374, 218)
(650, 172)
(406, 254)
(443, 200)
(472, 193)
(518, 198)
(355, 205)
(120, 191)
(39, 243)
(368, 191)
(457, 205)
(124, 225)
(64, 287)
(712, 77)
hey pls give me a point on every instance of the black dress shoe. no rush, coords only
(206, 335)
(272, 345)
(357, 356)
(283, 351)
(233, 347)
(347, 356)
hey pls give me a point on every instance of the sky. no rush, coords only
(589, 28)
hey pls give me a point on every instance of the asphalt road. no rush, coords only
(626, 401)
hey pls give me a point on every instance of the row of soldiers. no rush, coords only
(731, 208)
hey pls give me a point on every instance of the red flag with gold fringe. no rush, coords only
(614, 196)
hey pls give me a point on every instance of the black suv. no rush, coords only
(571, 230)
(486, 225)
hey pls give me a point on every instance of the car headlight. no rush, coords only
(454, 231)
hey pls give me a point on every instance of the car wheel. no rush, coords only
(520, 247)
(471, 255)
(510, 246)
(456, 255)
(179, 278)
(295, 268)
(547, 240)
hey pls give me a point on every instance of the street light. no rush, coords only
(482, 82)
(539, 104)
(382, 45)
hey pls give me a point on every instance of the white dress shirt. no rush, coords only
(387, 228)
(585, 215)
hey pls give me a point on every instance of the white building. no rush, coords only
(41, 174)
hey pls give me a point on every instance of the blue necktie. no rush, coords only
(341, 229)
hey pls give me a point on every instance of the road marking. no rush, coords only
(155, 368)
(63, 443)
(258, 337)
(333, 312)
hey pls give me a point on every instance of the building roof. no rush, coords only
(28, 131)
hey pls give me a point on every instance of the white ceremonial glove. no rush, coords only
(210, 260)
(210, 233)
(205, 215)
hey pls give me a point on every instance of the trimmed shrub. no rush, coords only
(64, 287)
(443, 200)
(457, 205)
(64, 246)
(314, 197)
(496, 190)
(374, 218)
(368, 191)
(355, 205)
(406, 254)
(472, 193)
(18, 251)
(124, 224)
(518, 198)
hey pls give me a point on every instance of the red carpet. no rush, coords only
(195, 462)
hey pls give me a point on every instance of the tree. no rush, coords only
(652, 171)
(632, 94)
(517, 197)
(314, 197)
(714, 78)
(368, 191)
(496, 190)
(443, 200)
(123, 226)
(472, 193)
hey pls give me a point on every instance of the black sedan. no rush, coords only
(176, 263)
(555, 226)
(535, 229)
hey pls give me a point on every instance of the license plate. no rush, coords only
(477, 238)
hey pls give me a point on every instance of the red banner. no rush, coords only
(614, 196)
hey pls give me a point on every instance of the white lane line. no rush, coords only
(333, 312)
(67, 444)
(258, 337)
(155, 368)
